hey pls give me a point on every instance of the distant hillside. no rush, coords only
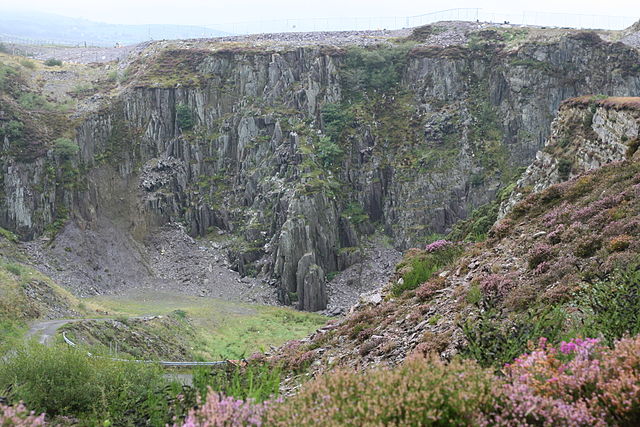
(15, 26)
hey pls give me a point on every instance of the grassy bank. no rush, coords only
(221, 329)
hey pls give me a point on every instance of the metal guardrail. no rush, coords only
(160, 362)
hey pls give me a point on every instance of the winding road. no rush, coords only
(46, 331)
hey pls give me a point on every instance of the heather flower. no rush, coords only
(581, 382)
(539, 254)
(438, 245)
(219, 410)
(430, 288)
(19, 416)
(501, 229)
(496, 286)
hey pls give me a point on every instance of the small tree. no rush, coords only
(327, 151)
(184, 117)
(65, 148)
(52, 62)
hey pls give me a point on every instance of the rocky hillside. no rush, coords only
(609, 133)
(296, 154)
(563, 262)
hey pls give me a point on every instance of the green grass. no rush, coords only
(257, 381)
(224, 329)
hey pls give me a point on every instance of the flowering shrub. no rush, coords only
(496, 286)
(19, 416)
(539, 254)
(620, 243)
(581, 382)
(429, 288)
(438, 245)
(219, 410)
(576, 383)
(555, 236)
(501, 229)
(419, 392)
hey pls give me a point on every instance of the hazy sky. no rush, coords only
(208, 12)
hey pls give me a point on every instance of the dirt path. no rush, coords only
(47, 329)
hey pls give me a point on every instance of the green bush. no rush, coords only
(8, 235)
(52, 62)
(417, 393)
(61, 380)
(15, 269)
(373, 69)
(27, 63)
(33, 101)
(65, 148)
(421, 265)
(184, 117)
(611, 308)
(13, 129)
(355, 213)
(564, 169)
(336, 118)
(327, 151)
(258, 381)
(494, 340)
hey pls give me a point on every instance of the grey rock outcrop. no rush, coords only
(604, 137)
(415, 160)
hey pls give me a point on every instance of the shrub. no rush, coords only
(26, 63)
(493, 340)
(65, 381)
(378, 69)
(632, 147)
(611, 308)
(52, 62)
(336, 118)
(496, 286)
(65, 148)
(474, 294)
(220, 410)
(430, 288)
(438, 245)
(564, 169)
(620, 243)
(33, 101)
(13, 129)
(8, 235)
(539, 254)
(587, 247)
(418, 266)
(501, 229)
(19, 416)
(184, 117)
(256, 381)
(578, 383)
(327, 151)
(428, 392)
(15, 269)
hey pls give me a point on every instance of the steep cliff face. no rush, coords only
(299, 153)
(537, 274)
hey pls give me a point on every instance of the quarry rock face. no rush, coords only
(248, 162)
